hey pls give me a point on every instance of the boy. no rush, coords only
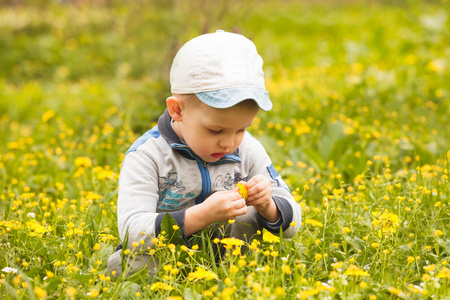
(188, 165)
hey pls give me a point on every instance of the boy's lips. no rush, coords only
(219, 154)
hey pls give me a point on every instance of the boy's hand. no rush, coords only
(225, 205)
(260, 197)
(219, 207)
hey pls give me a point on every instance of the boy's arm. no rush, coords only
(288, 208)
(138, 198)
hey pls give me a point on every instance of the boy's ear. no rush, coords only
(175, 106)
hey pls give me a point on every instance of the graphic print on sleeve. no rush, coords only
(172, 192)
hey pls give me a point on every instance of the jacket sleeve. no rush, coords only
(137, 200)
(289, 209)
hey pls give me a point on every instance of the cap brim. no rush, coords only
(226, 98)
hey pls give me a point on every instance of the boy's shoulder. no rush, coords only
(250, 144)
(150, 134)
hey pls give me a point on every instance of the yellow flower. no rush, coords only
(353, 270)
(337, 265)
(230, 242)
(47, 116)
(286, 269)
(36, 228)
(201, 274)
(96, 247)
(334, 274)
(410, 259)
(270, 238)
(242, 190)
(41, 293)
(159, 286)
(394, 291)
(313, 222)
(386, 222)
(71, 292)
(346, 230)
(318, 256)
(438, 232)
(444, 273)
(83, 162)
(429, 268)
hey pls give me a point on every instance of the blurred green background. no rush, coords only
(349, 79)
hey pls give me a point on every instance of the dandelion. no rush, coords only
(96, 247)
(242, 190)
(160, 286)
(270, 238)
(201, 274)
(429, 268)
(386, 222)
(444, 273)
(47, 116)
(229, 243)
(36, 229)
(71, 292)
(41, 293)
(395, 291)
(314, 222)
(438, 232)
(286, 269)
(83, 162)
(353, 270)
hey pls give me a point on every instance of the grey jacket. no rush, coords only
(161, 174)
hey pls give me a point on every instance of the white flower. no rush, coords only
(30, 215)
(9, 270)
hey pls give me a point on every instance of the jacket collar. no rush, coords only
(166, 130)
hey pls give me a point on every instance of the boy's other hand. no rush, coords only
(260, 197)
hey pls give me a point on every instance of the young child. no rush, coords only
(189, 164)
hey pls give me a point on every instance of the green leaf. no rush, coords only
(314, 158)
(170, 226)
(327, 144)
(191, 295)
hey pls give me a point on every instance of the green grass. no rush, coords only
(360, 131)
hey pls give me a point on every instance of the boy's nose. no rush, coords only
(227, 143)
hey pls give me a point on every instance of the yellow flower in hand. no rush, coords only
(242, 190)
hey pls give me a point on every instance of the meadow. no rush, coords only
(360, 131)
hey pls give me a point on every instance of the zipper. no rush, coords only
(206, 182)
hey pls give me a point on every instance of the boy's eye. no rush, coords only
(216, 132)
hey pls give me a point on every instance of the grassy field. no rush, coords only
(360, 131)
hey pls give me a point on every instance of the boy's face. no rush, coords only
(213, 133)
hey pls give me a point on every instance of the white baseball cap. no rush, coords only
(221, 69)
